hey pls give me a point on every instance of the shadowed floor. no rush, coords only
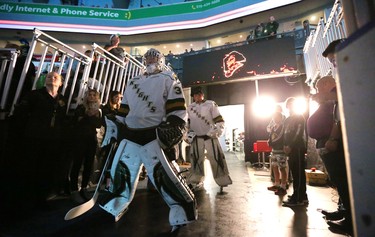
(245, 208)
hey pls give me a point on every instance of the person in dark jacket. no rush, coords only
(38, 129)
(271, 28)
(295, 149)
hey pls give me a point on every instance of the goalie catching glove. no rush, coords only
(170, 132)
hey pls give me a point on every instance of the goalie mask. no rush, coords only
(154, 61)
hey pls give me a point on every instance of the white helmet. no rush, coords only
(154, 67)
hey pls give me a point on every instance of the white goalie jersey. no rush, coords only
(205, 119)
(148, 99)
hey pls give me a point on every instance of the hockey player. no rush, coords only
(206, 124)
(153, 112)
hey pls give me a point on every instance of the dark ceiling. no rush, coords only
(282, 14)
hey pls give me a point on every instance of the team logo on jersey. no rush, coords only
(200, 116)
(142, 96)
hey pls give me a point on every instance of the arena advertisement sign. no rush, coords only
(108, 13)
(268, 57)
(85, 18)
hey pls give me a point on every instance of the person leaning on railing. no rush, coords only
(114, 47)
(271, 28)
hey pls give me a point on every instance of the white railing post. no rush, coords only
(8, 80)
(325, 33)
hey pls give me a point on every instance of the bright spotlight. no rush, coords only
(300, 105)
(264, 106)
(313, 106)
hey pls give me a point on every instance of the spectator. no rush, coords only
(278, 109)
(259, 31)
(87, 120)
(113, 105)
(38, 126)
(271, 28)
(114, 47)
(207, 124)
(295, 149)
(306, 28)
(250, 37)
(278, 157)
(320, 123)
(93, 82)
(94, 62)
(334, 159)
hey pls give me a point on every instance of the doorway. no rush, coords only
(233, 137)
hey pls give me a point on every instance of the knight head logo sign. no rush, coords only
(232, 62)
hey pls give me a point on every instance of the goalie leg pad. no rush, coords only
(124, 175)
(171, 185)
(111, 132)
(183, 214)
(116, 206)
(197, 157)
(218, 163)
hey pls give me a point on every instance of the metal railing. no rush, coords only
(104, 74)
(326, 32)
(8, 60)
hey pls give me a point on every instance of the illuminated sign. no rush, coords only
(129, 21)
(108, 13)
(232, 62)
(262, 58)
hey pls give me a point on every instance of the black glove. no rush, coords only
(170, 133)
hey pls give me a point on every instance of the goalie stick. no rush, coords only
(85, 207)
